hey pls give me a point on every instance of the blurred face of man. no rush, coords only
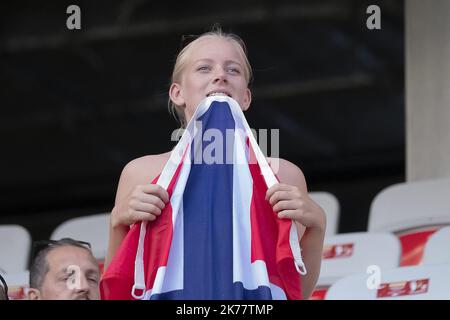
(73, 274)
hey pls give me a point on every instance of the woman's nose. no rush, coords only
(220, 76)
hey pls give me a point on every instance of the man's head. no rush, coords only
(64, 270)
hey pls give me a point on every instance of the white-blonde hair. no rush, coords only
(180, 64)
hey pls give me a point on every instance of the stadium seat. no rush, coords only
(351, 253)
(18, 284)
(93, 229)
(436, 249)
(15, 244)
(409, 205)
(404, 283)
(330, 205)
(413, 211)
(318, 293)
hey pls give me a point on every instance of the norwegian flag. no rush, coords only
(217, 238)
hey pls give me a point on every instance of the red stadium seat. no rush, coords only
(319, 293)
(413, 211)
(18, 284)
(413, 244)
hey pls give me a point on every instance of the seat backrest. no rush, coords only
(413, 244)
(18, 284)
(15, 245)
(330, 205)
(93, 229)
(404, 283)
(409, 205)
(436, 249)
(351, 253)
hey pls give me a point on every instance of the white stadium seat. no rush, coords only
(409, 205)
(15, 245)
(437, 248)
(413, 211)
(405, 283)
(93, 229)
(330, 205)
(350, 253)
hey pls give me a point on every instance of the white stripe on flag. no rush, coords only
(252, 275)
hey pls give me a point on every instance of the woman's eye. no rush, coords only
(203, 68)
(234, 70)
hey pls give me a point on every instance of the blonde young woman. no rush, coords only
(216, 63)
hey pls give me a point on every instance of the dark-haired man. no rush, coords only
(64, 270)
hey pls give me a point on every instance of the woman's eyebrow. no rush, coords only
(203, 60)
(227, 62)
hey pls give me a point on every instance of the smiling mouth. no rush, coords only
(219, 93)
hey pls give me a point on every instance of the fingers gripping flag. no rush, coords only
(217, 238)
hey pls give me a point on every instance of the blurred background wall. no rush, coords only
(427, 89)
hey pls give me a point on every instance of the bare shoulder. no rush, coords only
(288, 173)
(140, 171)
(145, 168)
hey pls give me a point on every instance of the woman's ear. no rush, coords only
(34, 294)
(176, 95)
(247, 99)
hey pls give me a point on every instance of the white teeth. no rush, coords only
(218, 94)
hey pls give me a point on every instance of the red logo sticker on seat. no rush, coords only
(403, 288)
(337, 251)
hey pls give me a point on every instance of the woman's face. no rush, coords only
(214, 66)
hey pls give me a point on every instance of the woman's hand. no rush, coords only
(289, 202)
(144, 203)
